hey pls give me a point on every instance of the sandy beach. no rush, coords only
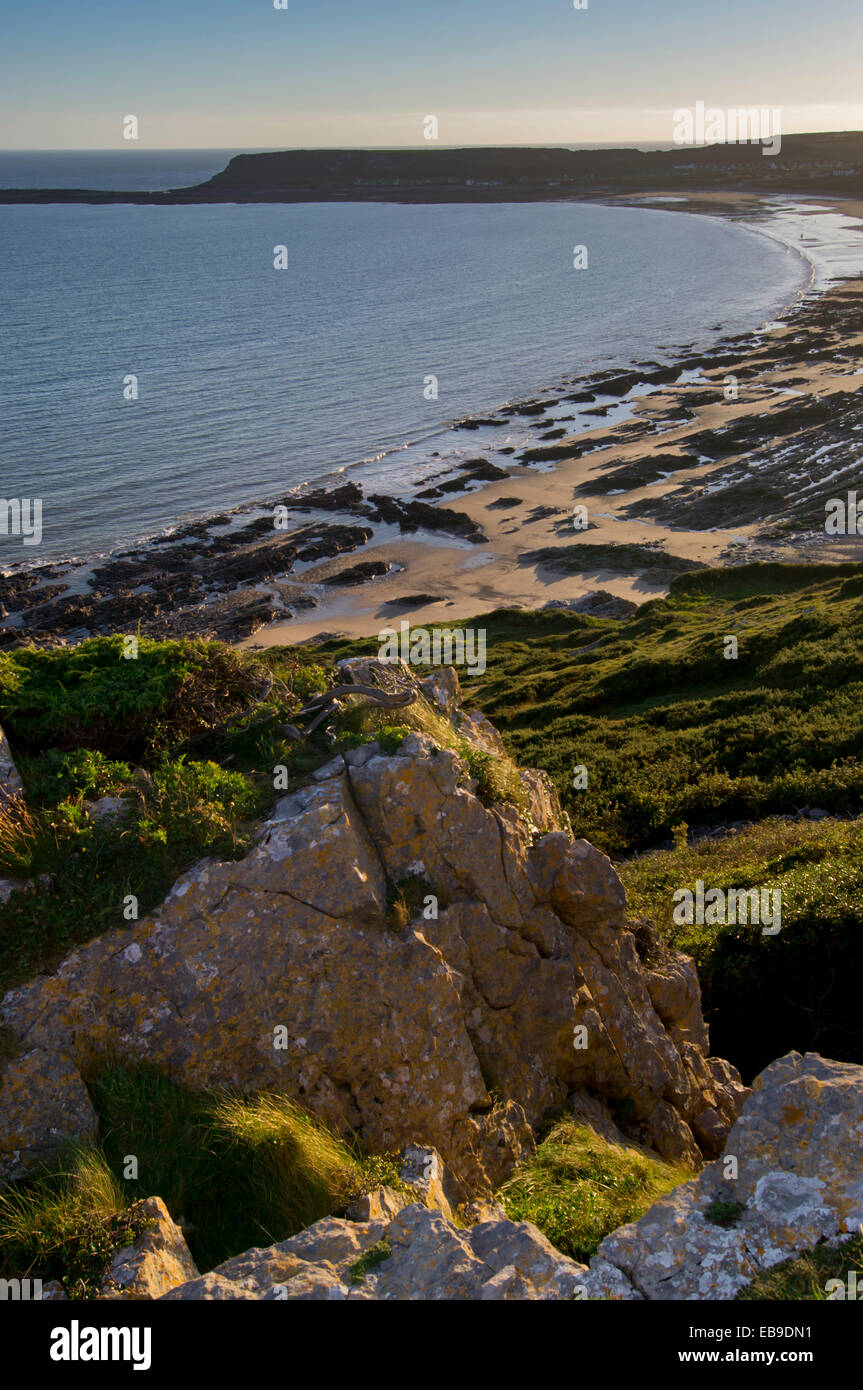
(531, 510)
(611, 483)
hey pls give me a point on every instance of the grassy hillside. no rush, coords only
(677, 739)
(674, 738)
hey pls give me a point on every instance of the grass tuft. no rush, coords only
(67, 1225)
(578, 1188)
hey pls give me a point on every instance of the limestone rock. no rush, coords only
(11, 785)
(44, 1106)
(416, 1255)
(798, 1147)
(322, 1254)
(458, 1032)
(108, 807)
(159, 1259)
(481, 1210)
(423, 1169)
(382, 1204)
(53, 1292)
(442, 689)
(8, 886)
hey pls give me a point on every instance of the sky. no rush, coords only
(243, 74)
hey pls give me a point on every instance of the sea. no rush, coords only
(156, 365)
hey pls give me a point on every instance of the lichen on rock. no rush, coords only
(519, 989)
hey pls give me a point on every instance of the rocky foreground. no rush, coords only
(518, 987)
(517, 975)
(796, 1147)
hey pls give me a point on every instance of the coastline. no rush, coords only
(267, 591)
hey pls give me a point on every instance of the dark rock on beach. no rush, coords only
(358, 574)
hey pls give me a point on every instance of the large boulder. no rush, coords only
(797, 1153)
(515, 989)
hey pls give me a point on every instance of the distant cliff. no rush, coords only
(825, 163)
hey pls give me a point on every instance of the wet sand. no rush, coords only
(812, 366)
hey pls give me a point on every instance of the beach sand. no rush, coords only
(435, 583)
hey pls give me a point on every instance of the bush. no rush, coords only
(88, 867)
(90, 696)
(56, 776)
(194, 807)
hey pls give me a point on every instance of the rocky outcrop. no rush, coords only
(44, 1105)
(797, 1152)
(157, 1261)
(415, 1254)
(516, 988)
(11, 785)
(399, 1244)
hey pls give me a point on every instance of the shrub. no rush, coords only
(90, 696)
(194, 807)
(56, 776)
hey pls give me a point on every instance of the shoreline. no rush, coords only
(488, 174)
(262, 589)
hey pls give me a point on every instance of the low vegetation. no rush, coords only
(808, 1277)
(677, 740)
(235, 1171)
(698, 768)
(764, 995)
(67, 1225)
(577, 1188)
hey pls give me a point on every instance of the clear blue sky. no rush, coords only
(235, 73)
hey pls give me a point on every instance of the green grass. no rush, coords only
(241, 1171)
(764, 995)
(67, 1225)
(236, 1171)
(725, 1214)
(807, 1276)
(668, 729)
(577, 1188)
(370, 1260)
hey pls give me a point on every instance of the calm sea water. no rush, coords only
(252, 380)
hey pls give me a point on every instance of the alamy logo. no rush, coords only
(77, 1343)
(734, 907)
(736, 125)
(23, 1290)
(21, 516)
(438, 647)
(844, 518)
(845, 1290)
